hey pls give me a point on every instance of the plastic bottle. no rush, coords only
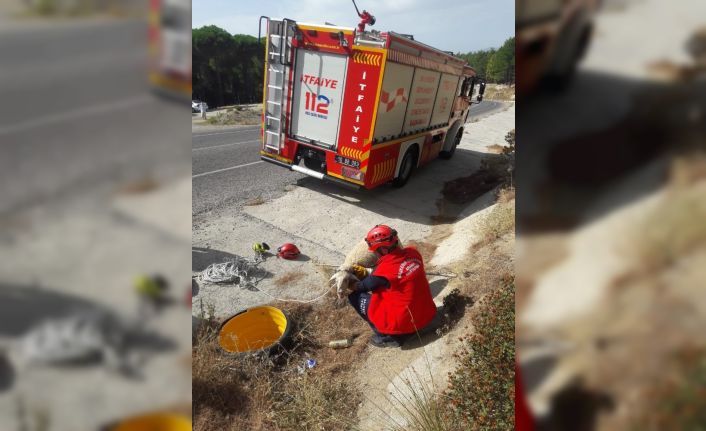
(340, 344)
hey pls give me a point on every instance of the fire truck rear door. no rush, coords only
(319, 80)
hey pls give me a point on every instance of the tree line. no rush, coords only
(227, 69)
(495, 65)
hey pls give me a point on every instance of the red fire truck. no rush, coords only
(170, 46)
(359, 108)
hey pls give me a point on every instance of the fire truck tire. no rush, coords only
(448, 154)
(409, 162)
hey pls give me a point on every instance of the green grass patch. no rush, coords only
(481, 390)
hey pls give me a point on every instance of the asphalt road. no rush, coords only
(77, 112)
(227, 169)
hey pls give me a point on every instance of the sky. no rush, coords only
(449, 25)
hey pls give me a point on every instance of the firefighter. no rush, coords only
(395, 298)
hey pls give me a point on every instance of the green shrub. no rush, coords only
(481, 389)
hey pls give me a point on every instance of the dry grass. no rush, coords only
(499, 92)
(495, 149)
(224, 394)
(506, 195)
(288, 278)
(500, 221)
(246, 115)
(276, 393)
(490, 263)
(309, 401)
(259, 200)
(421, 405)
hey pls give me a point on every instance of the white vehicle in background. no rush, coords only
(196, 106)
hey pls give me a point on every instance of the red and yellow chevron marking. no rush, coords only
(367, 58)
(352, 153)
(384, 169)
(366, 155)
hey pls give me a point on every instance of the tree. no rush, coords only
(227, 69)
(495, 65)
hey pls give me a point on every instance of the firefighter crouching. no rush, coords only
(394, 297)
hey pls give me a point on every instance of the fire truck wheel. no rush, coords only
(406, 168)
(448, 154)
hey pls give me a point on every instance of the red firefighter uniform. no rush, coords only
(406, 306)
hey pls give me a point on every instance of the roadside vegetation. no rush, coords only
(241, 115)
(482, 391)
(502, 92)
(496, 65)
(227, 69)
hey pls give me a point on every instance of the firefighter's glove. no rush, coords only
(260, 247)
(151, 287)
(359, 271)
(344, 282)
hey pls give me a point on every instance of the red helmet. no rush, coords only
(381, 236)
(288, 251)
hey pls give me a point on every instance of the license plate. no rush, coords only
(348, 162)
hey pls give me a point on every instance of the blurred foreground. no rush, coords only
(611, 206)
(95, 195)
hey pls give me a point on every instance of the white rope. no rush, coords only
(233, 271)
(301, 301)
